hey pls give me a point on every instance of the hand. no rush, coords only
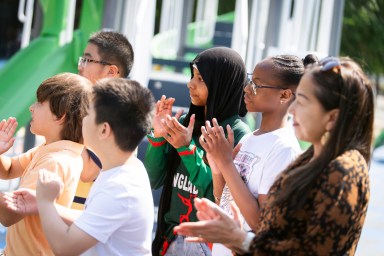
(163, 108)
(236, 150)
(175, 133)
(48, 187)
(7, 130)
(22, 201)
(214, 225)
(213, 141)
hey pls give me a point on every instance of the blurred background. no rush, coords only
(40, 38)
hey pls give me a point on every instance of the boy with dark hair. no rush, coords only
(57, 115)
(107, 54)
(118, 215)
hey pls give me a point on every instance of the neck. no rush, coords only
(112, 159)
(271, 123)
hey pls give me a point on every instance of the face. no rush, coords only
(198, 90)
(266, 99)
(89, 126)
(43, 120)
(93, 71)
(309, 117)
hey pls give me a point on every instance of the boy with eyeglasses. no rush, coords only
(108, 54)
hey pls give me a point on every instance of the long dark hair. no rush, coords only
(349, 91)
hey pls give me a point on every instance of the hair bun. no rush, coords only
(310, 59)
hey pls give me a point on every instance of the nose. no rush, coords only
(246, 88)
(189, 84)
(31, 107)
(291, 108)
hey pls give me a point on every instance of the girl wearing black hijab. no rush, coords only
(175, 158)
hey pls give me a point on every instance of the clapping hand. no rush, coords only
(214, 225)
(214, 142)
(175, 133)
(48, 187)
(22, 201)
(163, 108)
(7, 130)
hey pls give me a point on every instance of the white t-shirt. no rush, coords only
(119, 211)
(260, 160)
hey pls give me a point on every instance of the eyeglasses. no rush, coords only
(330, 63)
(255, 86)
(83, 62)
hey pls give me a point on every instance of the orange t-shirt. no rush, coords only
(26, 237)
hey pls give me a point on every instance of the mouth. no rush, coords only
(246, 100)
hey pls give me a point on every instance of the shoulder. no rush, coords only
(237, 125)
(350, 165)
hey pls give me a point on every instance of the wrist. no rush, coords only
(243, 242)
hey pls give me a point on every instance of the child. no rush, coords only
(57, 115)
(175, 158)
(118, 214)
(107, 54)
(264, 153)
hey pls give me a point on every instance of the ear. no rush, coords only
(333, 115)
(286, 95)
(113, 71)
(105, 131)
(61, 119)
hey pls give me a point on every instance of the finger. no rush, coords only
(191, 123)
(10, 142)
(203, 216)
(208, 127)
(2, 123)
(179, 113)
(169, 102)
(177, 126)
(231, 137)
(236, 150)
(217, 127)
(169, 126)
(10, 124)
(207, 140)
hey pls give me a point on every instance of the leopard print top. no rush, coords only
(331, 220)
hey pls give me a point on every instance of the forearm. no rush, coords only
(5, 166)
(199, 172)
(68, 215)
(54, 227)
(218, 185)
(8, 217)
(155, 161)
(242, 196)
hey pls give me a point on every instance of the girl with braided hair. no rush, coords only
(262, 154)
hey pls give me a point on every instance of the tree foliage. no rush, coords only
(363, 33)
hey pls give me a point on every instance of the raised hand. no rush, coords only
(214, 142)
(163, 108)
(175, 133)
(22, 201)
(48, 187)
(7, 130)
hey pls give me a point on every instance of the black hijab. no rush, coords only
(223, 71)
(225, 76)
